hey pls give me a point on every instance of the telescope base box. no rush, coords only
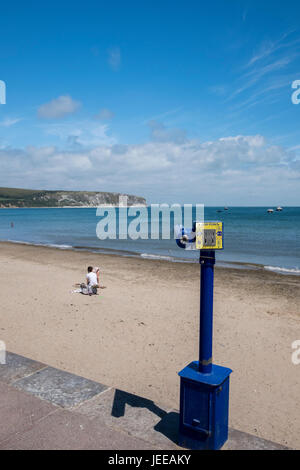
(204, 404)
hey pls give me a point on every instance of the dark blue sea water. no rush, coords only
(251, 235)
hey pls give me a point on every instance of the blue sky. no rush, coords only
(175, 101)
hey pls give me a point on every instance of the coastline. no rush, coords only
(74, 207)
(143, 328)
(152, 257)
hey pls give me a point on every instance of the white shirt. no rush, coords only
(92, 279)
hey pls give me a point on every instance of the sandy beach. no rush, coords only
(143, 328)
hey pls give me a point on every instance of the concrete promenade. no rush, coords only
(46, 408)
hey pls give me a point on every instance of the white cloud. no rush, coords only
(269, 47)
(8, 122)
(58, 108)
(160, 133)
(219, 90)
(269, 68)
(104, 114)
(114, 58)
(237, 169)
(82, 133)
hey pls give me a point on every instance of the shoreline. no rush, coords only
(282, 271)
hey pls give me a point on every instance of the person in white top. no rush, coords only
(92, 280)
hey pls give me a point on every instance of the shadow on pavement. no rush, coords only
(168, 424)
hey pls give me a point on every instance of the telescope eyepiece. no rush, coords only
(184, 239)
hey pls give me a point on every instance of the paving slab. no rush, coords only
(238, 440)
(60, 387)
(18, 367)
(135, 415)
(65, 430)
(19, 411)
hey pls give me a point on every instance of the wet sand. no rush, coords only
(143, 328)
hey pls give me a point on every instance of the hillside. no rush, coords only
(15, 197)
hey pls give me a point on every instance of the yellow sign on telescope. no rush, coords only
(209, 236)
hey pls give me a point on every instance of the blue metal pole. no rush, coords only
(207, 262)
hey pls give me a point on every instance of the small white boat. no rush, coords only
(270, 211)
(279, 209)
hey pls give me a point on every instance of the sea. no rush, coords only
(254, 239)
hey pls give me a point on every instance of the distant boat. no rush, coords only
(270, 211)
(226, 209)
(279, 209)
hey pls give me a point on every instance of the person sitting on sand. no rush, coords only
(92, 282)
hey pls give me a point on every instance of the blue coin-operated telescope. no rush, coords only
(204, 386)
